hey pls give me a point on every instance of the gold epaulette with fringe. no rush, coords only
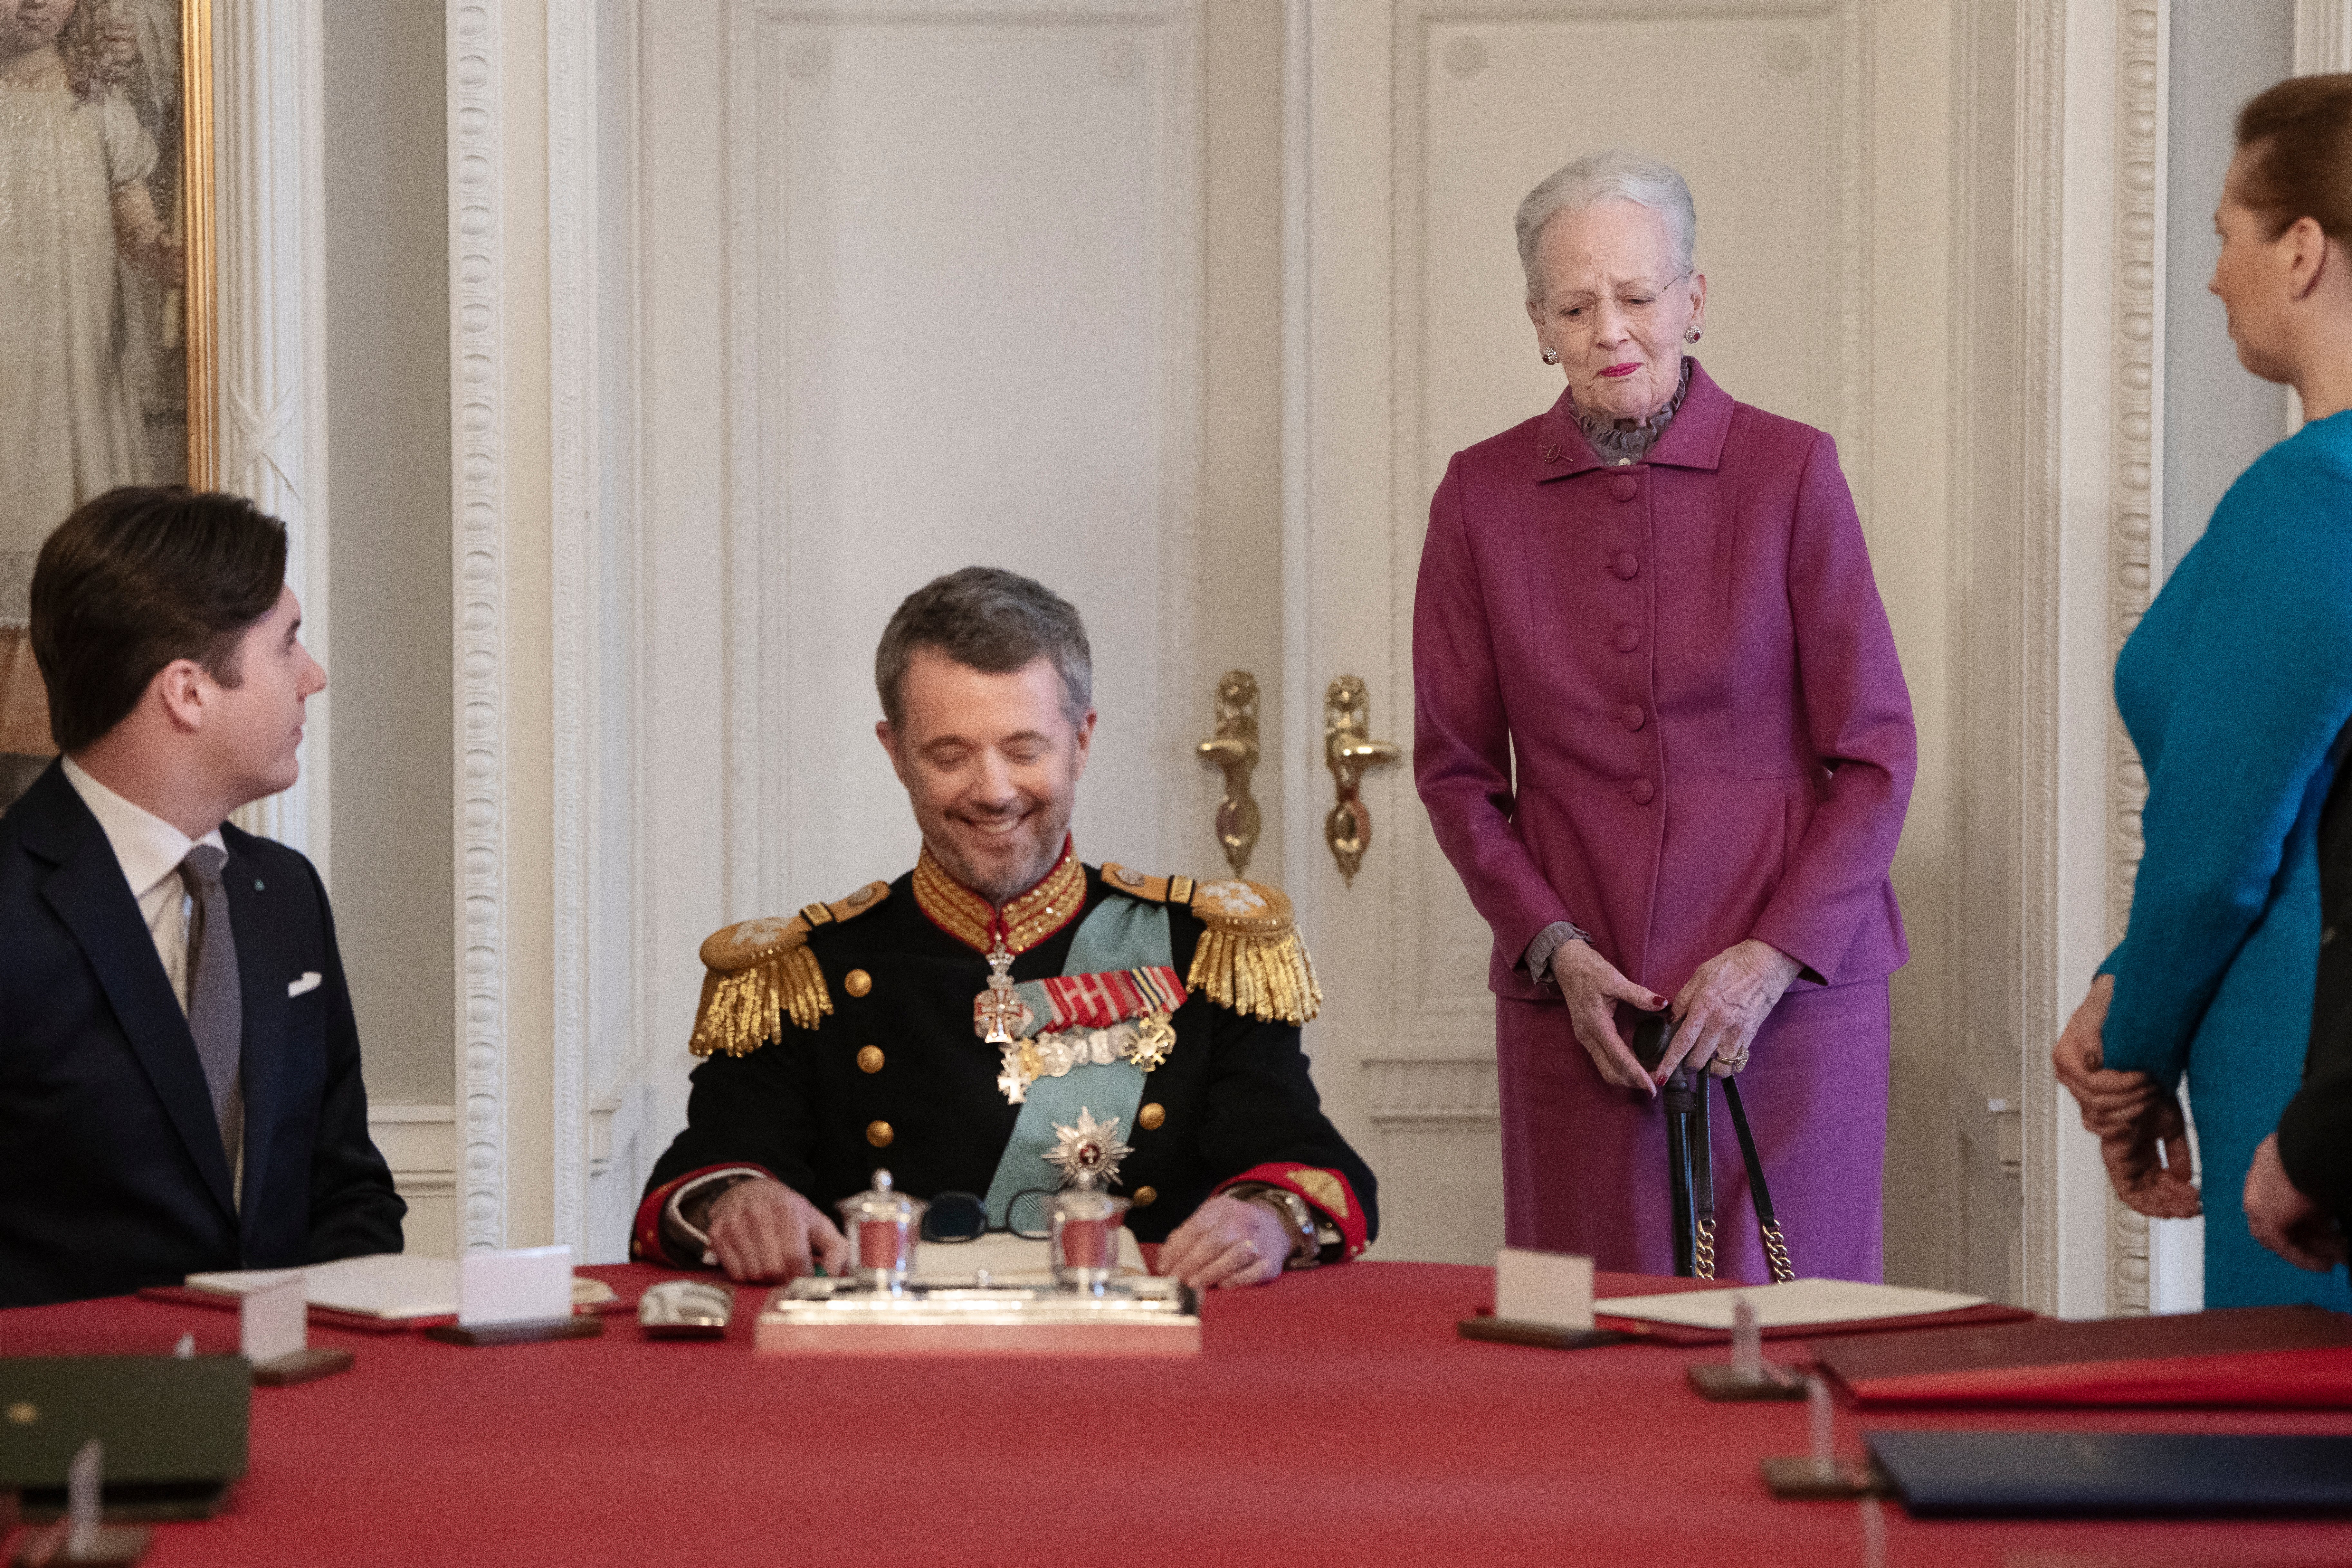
(760, 971)
(1251, 958)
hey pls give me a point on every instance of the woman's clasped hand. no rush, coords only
(2143, 1135)
(1715, 1014)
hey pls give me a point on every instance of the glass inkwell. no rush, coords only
(1087, 1226)
(882, 1226)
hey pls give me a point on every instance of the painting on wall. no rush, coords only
(106, 353)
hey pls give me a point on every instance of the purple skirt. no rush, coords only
(1584, 1164)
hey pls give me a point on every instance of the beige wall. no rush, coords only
(388, 475)
(388, 445)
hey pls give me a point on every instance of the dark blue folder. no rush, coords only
(2114, 1473)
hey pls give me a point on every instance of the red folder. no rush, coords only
(2255, 1357)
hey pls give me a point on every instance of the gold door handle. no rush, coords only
(1234, 749)
(1349, 751)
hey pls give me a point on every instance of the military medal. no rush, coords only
(999, 1012)
(1155, 1037)
(1043, 1028)
(1087, 1155)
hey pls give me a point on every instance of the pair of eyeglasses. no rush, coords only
(961, 1216)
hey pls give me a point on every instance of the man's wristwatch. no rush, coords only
(1306, 1243)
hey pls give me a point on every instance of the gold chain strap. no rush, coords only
(1776, 1251)
(1703, 1249)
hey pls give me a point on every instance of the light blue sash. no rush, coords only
(1117, 933)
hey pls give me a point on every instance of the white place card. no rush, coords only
(527, 1284)
(274, 1322)
(1552, 1288)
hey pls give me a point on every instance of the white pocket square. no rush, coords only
(309, 982)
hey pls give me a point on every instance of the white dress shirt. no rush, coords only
(149, 849)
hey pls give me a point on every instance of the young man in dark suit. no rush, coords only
(178, 1066)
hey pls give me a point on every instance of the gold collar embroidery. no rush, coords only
(1028, 918)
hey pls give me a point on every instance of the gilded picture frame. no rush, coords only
(109, 345)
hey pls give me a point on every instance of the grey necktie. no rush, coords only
(215, 1002)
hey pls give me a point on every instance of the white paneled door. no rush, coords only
(1417, 130)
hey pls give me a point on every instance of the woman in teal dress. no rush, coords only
(2235, 689)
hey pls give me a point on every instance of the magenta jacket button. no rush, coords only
(1624, 486)
(1625, 565)
(1628, 638)
(1643, 792)
(1632, 716)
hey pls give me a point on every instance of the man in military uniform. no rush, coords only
(1004, 1019)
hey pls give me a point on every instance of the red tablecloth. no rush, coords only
(1333, 1417)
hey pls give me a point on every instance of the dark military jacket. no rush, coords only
(896, 1077)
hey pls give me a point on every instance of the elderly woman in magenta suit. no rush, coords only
(1663, 738)
(2236, 687)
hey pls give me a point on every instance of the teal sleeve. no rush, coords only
(2265, 685)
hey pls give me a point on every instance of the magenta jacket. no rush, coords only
(1688, 662)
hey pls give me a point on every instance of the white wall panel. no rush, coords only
(965, 316)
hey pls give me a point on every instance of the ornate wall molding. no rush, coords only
(2042, 160)
(477, 358)
(573, 150)
(2135, 497)
(272, 383)
(1459, 1091)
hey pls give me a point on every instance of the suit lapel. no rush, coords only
(89, 895)
(262, 973)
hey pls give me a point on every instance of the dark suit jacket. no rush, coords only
(111, 1171)
(2314, 1136)
(1234, 1092)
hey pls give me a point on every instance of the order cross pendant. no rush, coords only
(1000, 1010)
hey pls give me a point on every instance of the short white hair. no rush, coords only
(1613, 175)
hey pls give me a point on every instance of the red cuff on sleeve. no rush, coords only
(1328, 1193)
(645, 1242)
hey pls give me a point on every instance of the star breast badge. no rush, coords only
(1088, 1155)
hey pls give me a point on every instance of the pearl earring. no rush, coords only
(1552, 356)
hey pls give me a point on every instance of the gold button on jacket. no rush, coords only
(878, 1134)
(1150, 1117)
(869, 1059)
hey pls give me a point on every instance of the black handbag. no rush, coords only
(1690, 1159)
